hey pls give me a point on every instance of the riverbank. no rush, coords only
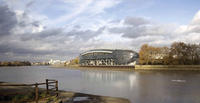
(113, 68)
(22, 94)
(167, 67)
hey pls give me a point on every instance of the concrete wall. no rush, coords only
(167, 67)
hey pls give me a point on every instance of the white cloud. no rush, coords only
(196, 19)
(27, 23)
(190, 33)
(79, 7)
(99, 6)
(84, 9)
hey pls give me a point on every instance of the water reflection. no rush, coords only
(113, 78)
(109, 83)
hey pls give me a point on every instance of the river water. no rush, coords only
(138, 87)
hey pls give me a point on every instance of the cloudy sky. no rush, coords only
(38, 30)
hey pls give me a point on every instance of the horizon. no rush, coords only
(34, 30)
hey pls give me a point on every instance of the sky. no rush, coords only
(40, 30)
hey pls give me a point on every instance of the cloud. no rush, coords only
(30, 38)
(134, 27)
(190, 33)
(196, 19)
(99, 6)
(29, 4)
(41, 35)
(136, 21)
(141, 30)
(86, 8)
(8, 20)
(194, 27)
(79, 7)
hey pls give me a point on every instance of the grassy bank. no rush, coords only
(167, 67)
(10, 94)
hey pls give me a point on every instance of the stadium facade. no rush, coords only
(108, 57)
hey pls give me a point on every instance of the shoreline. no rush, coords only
(135, 68)
(168, 67)
(108, 68)
(127, 68)
(26, 94)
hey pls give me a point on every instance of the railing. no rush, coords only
(54, 87)
(49, 83)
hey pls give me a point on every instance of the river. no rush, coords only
(138, 86)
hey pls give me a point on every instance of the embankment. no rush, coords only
(113, 68)
(167, 67)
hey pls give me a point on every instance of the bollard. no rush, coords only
(56, 88)
(36, 92)
(47, 87)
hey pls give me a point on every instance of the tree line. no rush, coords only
(15, 63)
(179, 53)
(74, 61)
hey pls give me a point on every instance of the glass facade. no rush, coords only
(108, 57)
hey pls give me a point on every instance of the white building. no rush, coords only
(56, 62)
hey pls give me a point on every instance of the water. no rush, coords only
(138, 87)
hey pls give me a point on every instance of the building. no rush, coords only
(52, 62)
(108, 57)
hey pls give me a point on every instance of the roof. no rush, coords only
(104, 51)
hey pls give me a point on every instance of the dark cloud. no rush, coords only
(152, 30)
(135, 21)
(85, 34)
(8, 20)
(137, 27)
(36, 23)
(25, 21)
(30, 3)
(56, 33)
(48, 33)
(54, 41)
(42, 35)
(21, 49)
(195, 29)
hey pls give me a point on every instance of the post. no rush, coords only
(36, 93)
(47, 87)
(56, 88)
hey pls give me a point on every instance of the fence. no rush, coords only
(49, 83)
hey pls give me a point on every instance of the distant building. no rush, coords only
(40, 63)
(52, 62)
(99, 57)
(67, 62)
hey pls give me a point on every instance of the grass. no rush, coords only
(23, 98)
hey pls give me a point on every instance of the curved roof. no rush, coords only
(104, 51)
(98, 50)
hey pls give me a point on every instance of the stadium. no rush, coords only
(108, 57)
